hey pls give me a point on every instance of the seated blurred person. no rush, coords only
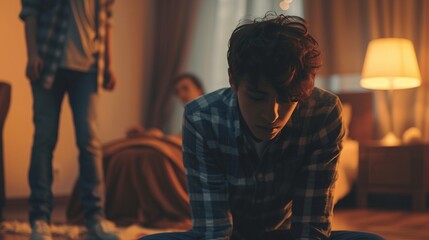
(187, 87)
(152, 160)
(156, 158)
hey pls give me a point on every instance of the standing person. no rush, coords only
(261, 156)
(68, 45)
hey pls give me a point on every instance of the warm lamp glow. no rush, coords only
(390, 63)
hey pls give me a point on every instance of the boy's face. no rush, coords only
(264, 112)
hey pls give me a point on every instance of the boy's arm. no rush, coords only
(109, 77)
(110, 80)
(206, 182)
(30, 8)
(29, 14)
(312, 205)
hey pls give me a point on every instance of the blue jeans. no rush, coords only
(82, 91)
(277, 235)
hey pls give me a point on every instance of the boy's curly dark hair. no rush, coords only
(278, 49)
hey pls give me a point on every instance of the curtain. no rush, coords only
(345, 27)
(5, 98)
(173, 24)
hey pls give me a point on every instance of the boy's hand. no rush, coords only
(109, 80)
(34, 68)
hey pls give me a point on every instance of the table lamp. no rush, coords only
(390, 64)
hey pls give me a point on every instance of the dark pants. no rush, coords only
(279, 235)
(82, 92)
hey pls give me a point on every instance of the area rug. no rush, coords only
(78, 232)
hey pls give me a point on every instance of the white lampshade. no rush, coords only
(390, 63)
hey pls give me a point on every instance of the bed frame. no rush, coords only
(361, 126)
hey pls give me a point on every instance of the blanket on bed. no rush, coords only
(145, 184)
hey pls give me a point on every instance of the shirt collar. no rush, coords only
(234, 114)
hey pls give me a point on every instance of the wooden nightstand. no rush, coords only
(402, 169)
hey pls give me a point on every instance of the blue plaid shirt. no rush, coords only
(53, 18)
(234, 193)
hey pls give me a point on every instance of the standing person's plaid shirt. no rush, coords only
(233, 192)
(52, 24)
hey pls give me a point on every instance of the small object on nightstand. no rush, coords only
(412, 135)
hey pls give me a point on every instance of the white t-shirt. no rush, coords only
(260, 147)
(81, 44)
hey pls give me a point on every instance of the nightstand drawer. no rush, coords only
(394, 169)
(390, 167)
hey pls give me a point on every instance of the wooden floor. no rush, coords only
(17, 210)
(391, 224)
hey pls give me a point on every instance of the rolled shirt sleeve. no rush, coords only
(207, 184)
(30, 8)
(312, 205)
(109, 13)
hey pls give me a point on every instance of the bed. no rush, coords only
(145, 183)
(145, 179)
(358, 121)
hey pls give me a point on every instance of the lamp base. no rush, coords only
(390, 139)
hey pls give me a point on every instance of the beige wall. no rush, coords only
(118, 110)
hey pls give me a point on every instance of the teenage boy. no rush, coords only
(261, 157)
